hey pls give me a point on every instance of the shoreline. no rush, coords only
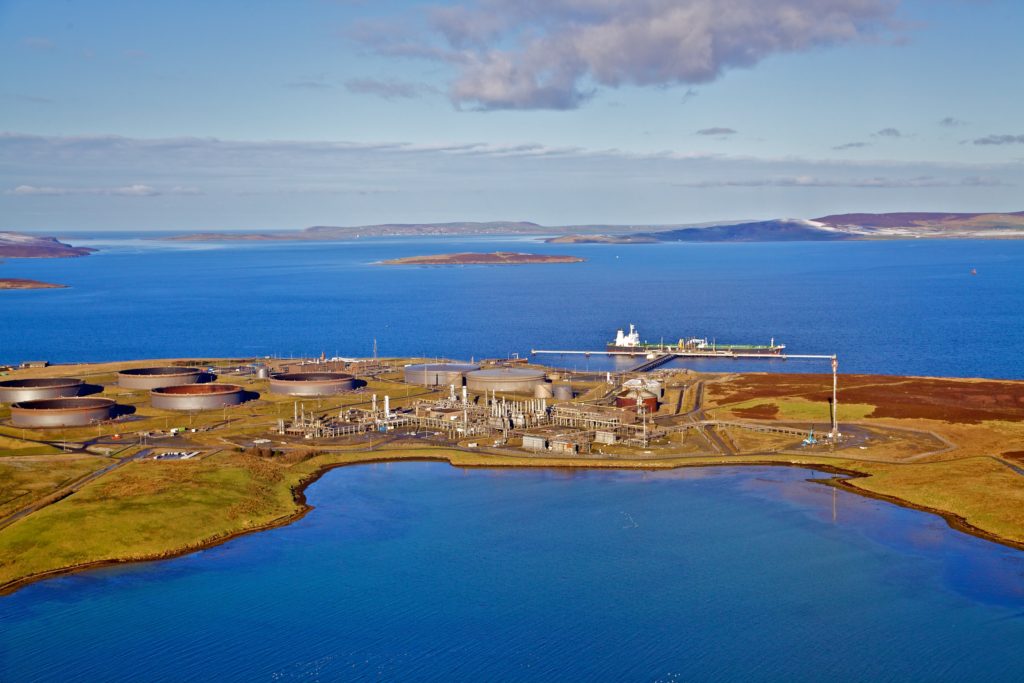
(463, 460)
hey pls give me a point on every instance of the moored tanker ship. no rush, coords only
(630, 343)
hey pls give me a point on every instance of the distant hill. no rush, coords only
(782, 230)
(926, 224)
(850, 226)
(333, 232)
(20, 245)
(466, 228)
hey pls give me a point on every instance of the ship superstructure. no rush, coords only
(630, 342)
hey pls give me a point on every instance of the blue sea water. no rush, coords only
(884, 307)
(421, 571)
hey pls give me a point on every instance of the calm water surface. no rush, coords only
(420, 571)
(886, 307)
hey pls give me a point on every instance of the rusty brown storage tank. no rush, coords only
(630, 398)
(155, 378)
(17, 390)
(62, 412)
(311, 383)
(516, 380)
(196, 396)
(438, 374)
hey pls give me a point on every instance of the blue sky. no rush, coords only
(266, 115)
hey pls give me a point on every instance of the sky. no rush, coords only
(275, 114)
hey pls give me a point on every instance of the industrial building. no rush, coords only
(197, 396)
(438, 374)
(62, 412)
(585, 416)
(155, 378)
(558, 440)
(17, 390)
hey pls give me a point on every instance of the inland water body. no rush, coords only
(421, 571)
(883, 307)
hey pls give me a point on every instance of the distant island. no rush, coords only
(497, 258)
(603, 239)
(852, 226)
(330, 233)
(835, 227)
(22, 283)
(20, 245)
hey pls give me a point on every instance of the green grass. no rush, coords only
(24, 480)
(985, 492)
(802, 410)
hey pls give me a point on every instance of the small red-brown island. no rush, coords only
(497, 258)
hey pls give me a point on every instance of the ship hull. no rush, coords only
(717, 349)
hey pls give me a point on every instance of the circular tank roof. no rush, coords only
(159, 372)
(198, 389)
(508, 373)
(442, 367)
(312, 377)
(41, 383)
(64, 404)
(15, 390)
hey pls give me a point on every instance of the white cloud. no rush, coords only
(1000, 140)
(550, 54)
(136, 190)
(717, 130)
(877, 182)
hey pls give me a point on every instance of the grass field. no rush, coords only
(25, 479)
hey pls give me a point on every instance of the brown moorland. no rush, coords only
(922, 398)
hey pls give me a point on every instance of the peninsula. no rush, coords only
(497, 258)
(149, 474)
(21, 245)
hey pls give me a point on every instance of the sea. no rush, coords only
(419, 571)
(946, 308)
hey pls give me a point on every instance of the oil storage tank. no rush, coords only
(155, 378)
(196, 396)
(562, 392)
(634, 395)
(515, 380)
(17, 390)
(62, 412)
(438, 374)
(311, 383)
